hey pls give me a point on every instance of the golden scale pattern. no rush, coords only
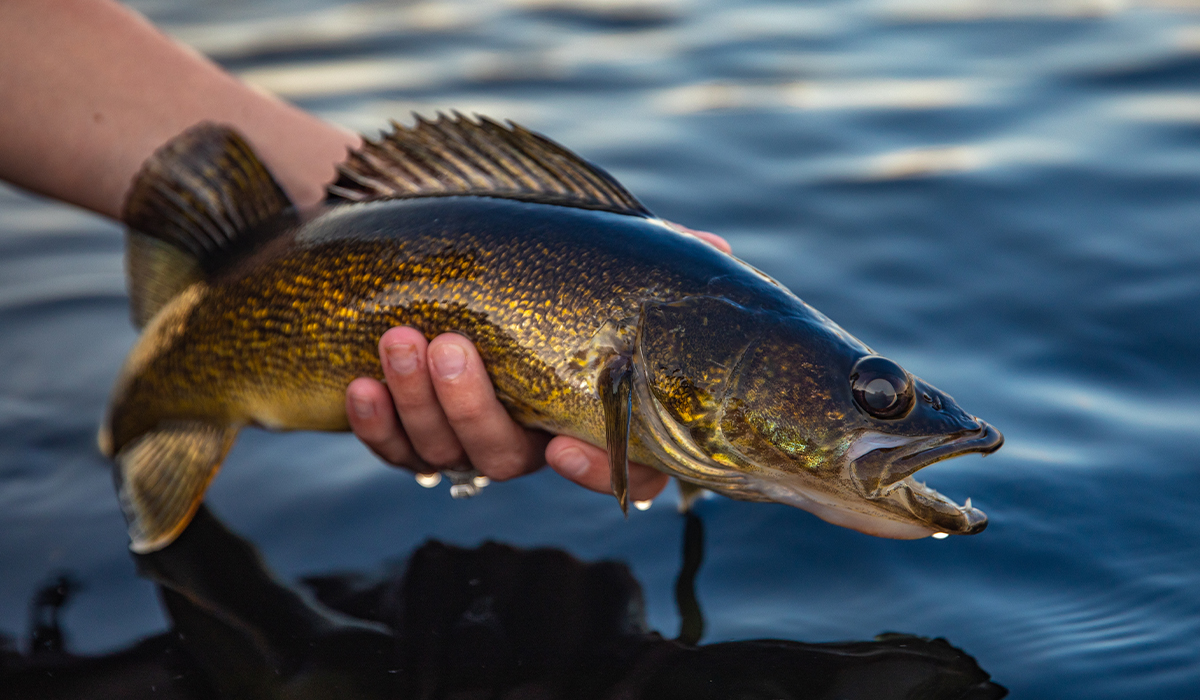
(299, 328)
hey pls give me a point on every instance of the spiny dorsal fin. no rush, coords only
(204, 194)
(460, 156)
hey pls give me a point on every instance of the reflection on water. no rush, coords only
(495, 621)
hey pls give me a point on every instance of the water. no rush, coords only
(1000, 196)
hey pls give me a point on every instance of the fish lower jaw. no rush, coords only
(942, 513)
(850, 516)
(879, 527)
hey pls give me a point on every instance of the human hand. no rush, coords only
(437, 409)
(711, 238)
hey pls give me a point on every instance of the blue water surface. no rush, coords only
(1004, 197)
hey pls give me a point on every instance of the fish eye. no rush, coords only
(881, 387)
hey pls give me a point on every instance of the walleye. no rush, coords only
(594, 318)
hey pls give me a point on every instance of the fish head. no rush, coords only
(791, 408)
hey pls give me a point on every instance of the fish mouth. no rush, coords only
(884, 475)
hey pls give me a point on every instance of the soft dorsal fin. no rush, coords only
(196, 204)
(460, 156)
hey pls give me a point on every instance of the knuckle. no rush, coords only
(411, 399)
(374, 433)
(467, 409)
(442, 456)
(505, 465)
(395, 452)
(364, 430)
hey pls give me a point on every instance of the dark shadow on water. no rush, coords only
(491, 622)
(691, 618)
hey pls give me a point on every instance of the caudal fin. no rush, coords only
(200, 202)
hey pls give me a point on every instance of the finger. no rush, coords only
(373, 419)
(588, 466)
(717, 242)
(494, 443)
(711, 238)
(405, 368)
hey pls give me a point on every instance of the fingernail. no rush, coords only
(449, 360)
(363, 408)
(402, 358)
(572, 461)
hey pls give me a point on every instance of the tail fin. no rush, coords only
(200, 201)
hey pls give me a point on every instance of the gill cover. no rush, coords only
(689, 352)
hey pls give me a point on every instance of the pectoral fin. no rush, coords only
(615, 384)
(162, 476)
(689, 493)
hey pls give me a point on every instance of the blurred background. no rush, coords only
(1000, 195)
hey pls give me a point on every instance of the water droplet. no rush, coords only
(643, 505)
(940, 535)
(463, 490)
(481, 481)
(429, 480)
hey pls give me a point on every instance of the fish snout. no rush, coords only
(884, 466)
(991, 439)
(941, 409)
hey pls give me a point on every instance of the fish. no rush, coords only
(595, 319)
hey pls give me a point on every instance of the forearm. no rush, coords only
(89, 89)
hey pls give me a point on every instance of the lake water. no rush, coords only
(1002, 196)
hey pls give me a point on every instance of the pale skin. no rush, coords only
(90, 89)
